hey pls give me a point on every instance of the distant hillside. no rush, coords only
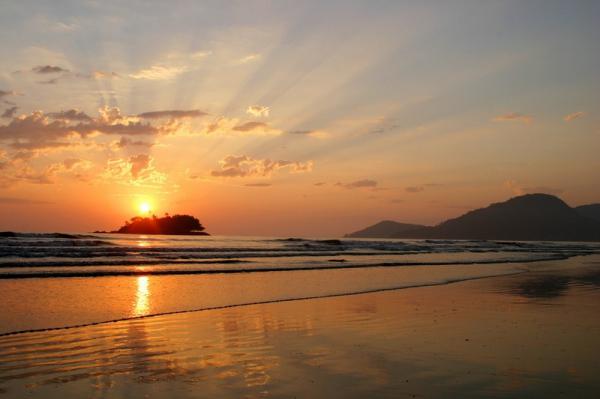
(384, 229)
(528, 217)
(591, 211)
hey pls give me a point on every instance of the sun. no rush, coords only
(145, 207)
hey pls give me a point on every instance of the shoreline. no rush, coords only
(260, 303)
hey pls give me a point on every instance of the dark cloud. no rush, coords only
(49, 81)
(71, 115)
(38, 130)
(318, 184)
(173, 114)
(4, 93)
(249, 126)
(44, 69)
(126, 142)
(365, 183)
(10, 112)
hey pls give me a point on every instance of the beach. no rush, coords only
(515, 330)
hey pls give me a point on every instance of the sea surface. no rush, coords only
(61, 280)
(125, 316)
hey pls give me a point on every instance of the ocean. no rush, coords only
(122, 316)
(62, 280)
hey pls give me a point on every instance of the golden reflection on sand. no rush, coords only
(142, 297)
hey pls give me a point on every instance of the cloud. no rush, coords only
(319, 184)
(71, 115)
(136, 170)
(573, 116)
(254, 127)
(514, 117)
(365, 183)
(320, 134)
(49, 81)
(159, 72)
(249, 58)
(21, 201)
(397, 201)
(139, 163)
(249, 126)
(126, 142)
(45, 69)
(173, 114)
(258, 110)
(414, 189)
(39, 130)
(245, 166)
(65, 27)
(10, 112)
(5, 93)
(258, 185)
(103, 75)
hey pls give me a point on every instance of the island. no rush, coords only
(168, 225)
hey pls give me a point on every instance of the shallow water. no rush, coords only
(496, 337)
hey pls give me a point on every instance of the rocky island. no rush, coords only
(168, 225)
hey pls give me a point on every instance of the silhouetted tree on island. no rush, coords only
(176, 224)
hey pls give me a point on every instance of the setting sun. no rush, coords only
(145, 207)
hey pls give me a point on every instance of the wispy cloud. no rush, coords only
(258, 184)
(245, 166)
(573, 116)
(159, 72)
(414, 189)
(514, 117)
(5, 93)
(320, 134)
(10, 112)
(249, 58)
(364, 183)
(258, 110)
(137, 170)
(46, 69)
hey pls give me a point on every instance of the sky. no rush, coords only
(288, 118)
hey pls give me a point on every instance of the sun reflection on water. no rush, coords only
(142, 297)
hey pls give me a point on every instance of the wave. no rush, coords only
(262, 269)
(12, 234)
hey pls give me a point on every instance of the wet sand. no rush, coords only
(531, 335)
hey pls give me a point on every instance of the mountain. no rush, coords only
(590, 211)
(384, 229)
(525, 218)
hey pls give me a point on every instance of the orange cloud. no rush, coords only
(573, 116)
(245, 166)
(258, 110)
(514, 117)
